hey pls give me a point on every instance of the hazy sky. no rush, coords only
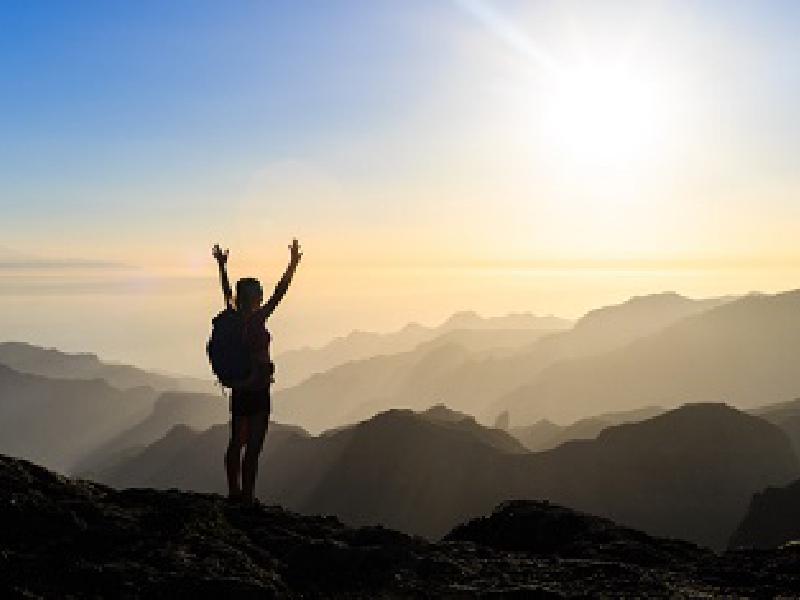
(431, 156)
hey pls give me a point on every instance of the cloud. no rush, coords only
(13, 260)
(149, 285)
(46, 264)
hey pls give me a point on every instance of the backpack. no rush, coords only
(226, 349)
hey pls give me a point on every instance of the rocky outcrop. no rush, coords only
(546, 529)
(71, 538)
(773, 519)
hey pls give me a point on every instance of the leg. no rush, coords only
(255, 442)
(239, 427)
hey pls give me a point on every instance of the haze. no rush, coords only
(432, 157)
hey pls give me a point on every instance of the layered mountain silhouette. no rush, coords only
(58, 422)
(785, 415)
(72, 538)
(74, 425)
(545, 435)
(49, 362)
(688, 473)
(466, 327)
(196, 411)
(742, 352)
(468, 380)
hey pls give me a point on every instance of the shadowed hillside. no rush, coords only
(188, 459)
(688, 473)
(197, 411)
(772, 519)
(59, 422)
(785, 415)
(73, 425)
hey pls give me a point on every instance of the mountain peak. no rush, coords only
(440, 412)
(462, 319)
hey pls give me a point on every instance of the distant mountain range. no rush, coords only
(72, 423)
(197, 411)
(484, 383)
(58, 422)
(49, 362)
(743, 352)
(468, 328)
(545, 435)
(688, 473)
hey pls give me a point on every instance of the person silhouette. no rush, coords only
(250, 397)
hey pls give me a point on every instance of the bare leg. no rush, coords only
(255, 442)
(233, 454)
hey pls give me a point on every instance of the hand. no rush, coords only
(219, 254)
(294, 252)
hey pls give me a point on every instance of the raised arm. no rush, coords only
(222, 261)
(283, 285)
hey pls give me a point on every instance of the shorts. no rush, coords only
(250, 402)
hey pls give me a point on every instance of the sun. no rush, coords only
(604, 116)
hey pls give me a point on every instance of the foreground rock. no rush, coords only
(772, 520)
(545, 529)
(60, 538)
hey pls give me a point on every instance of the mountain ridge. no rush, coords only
(738, 352)
(421, 475)
(469, 381)
(297, 365)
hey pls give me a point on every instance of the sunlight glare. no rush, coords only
(605, 117)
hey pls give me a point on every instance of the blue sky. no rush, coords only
(182, 97)
(123, 110)
(407, 137)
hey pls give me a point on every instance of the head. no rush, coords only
(249, 294)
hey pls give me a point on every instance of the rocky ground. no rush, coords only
(62, 538)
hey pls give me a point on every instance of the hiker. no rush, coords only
(239, 354)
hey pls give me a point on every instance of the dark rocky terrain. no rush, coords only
(785, 415)
(772, 520)
(72, 538)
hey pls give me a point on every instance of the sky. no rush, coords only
(431, 156)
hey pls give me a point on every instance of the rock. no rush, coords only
(70, 538)
(772, 519)
(541, 528)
